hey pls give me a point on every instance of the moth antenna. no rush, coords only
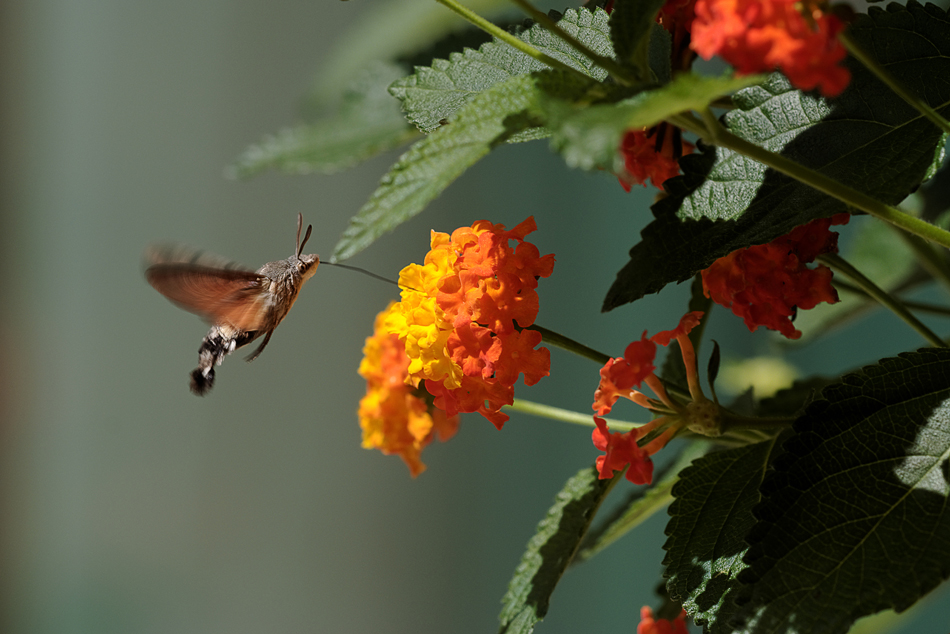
(299, 227)
(305, 238)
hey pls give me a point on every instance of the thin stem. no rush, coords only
(507, 37)
(554, 339)
(928, 258)
(565, 415)
(618, 72)
(922, 307)
(714, 133)
(886, 299)
(892, 82)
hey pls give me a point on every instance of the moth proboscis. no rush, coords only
(240, 305)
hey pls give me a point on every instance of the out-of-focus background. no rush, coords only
(130, 505)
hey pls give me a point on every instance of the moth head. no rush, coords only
(306, 264)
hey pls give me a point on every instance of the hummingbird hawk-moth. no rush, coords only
(240, 305)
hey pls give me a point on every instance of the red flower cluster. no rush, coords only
(795, 36)
(652, 155)
(650, 625)
(618, 378)
(766, 284)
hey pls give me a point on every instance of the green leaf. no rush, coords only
(389, 30)
(550, 551)
(433, 93)
(438, 159)
(631, 24)
(868, 139)
(640, 505)
(368, 122)
(589, 136)
(709, 519)
(855, 517)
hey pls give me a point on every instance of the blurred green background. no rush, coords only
(130, 505)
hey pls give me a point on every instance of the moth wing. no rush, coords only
(219, 294)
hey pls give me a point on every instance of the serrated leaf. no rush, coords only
(550, 551)
(868, 139)
(640, 505)
(631, 23)
(855, 517)
(709, 519)
(438, 159)
(433, 93)
(589, 136)
(368, 122)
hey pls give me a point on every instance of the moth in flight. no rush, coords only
(240, 305)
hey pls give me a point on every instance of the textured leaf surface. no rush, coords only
(708, 523)
(550, 551)
(641, 504)
(434, 162)
(855, 518)
(589, 137)
(868, 139)
(433, 93)
(368, 122)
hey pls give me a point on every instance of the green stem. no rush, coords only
(886, 299)
(922, 307)
(560, 341)
(885, 76)
(618, 72)
(928, 258)
(507, 37)
(565, 415)
(715, 134)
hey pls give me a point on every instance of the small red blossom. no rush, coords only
(617, 379)
(766, 284)
(794, 36)
(652, 155)
(650, 625)
(621, 450)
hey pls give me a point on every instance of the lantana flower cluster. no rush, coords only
(620, 376)
(649, 624)
(799, 38)
(766, 284)
(395, 415)
(462, 327)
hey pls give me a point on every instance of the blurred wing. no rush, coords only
(219, 295)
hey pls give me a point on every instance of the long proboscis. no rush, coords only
(364, 272)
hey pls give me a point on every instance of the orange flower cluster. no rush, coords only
(652, 155)
(650, 625)
(618, 378)
(464, 315)
(797, 37)
(394, 416)
(767, 283)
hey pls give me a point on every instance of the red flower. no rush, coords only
(794, 36)
(617, 378)
(621, 450)
(652, 155)
(766, 284)
(650, 625)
